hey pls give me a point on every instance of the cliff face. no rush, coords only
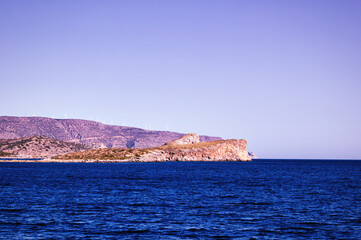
(179, 150)
(38, 146)
(87, 132)
(224, 150)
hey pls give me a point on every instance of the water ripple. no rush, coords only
(225, 200)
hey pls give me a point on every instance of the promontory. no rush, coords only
(60, 140)
(186, 148)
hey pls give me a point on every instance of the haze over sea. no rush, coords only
(263, 199)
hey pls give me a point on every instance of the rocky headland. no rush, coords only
(71, 140)
(186, 148)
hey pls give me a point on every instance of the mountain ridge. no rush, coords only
(87, 132)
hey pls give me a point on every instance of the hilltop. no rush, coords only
(87, 132)
(37, 146)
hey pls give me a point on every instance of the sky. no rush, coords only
(284, 75)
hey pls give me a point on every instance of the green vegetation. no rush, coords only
(134, 154)
(126, 153)
(104, 154)
(5, 154)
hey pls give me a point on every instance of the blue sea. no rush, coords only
(263, 199)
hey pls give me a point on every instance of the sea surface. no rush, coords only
(263, 199)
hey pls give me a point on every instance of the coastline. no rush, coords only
(113, 161)
(187, 148)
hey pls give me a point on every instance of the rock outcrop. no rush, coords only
(252, 155)
(224, 150)
(187, 139)
(87, 132)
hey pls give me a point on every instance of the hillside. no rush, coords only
(37, 146)
(87, 132)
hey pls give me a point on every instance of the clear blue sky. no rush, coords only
(284, 75)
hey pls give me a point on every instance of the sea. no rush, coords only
(262, 199)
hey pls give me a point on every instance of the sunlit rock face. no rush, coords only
(224, 150)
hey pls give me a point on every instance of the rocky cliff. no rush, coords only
(252, 155)
(223, 150)
(37, 146)
(87, 132)
(186, 148)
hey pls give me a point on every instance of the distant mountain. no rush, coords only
(87, 132)
(38, 146)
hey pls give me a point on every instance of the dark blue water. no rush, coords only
(181, 200)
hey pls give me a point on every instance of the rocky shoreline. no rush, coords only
(109, 161)
(186, 148)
